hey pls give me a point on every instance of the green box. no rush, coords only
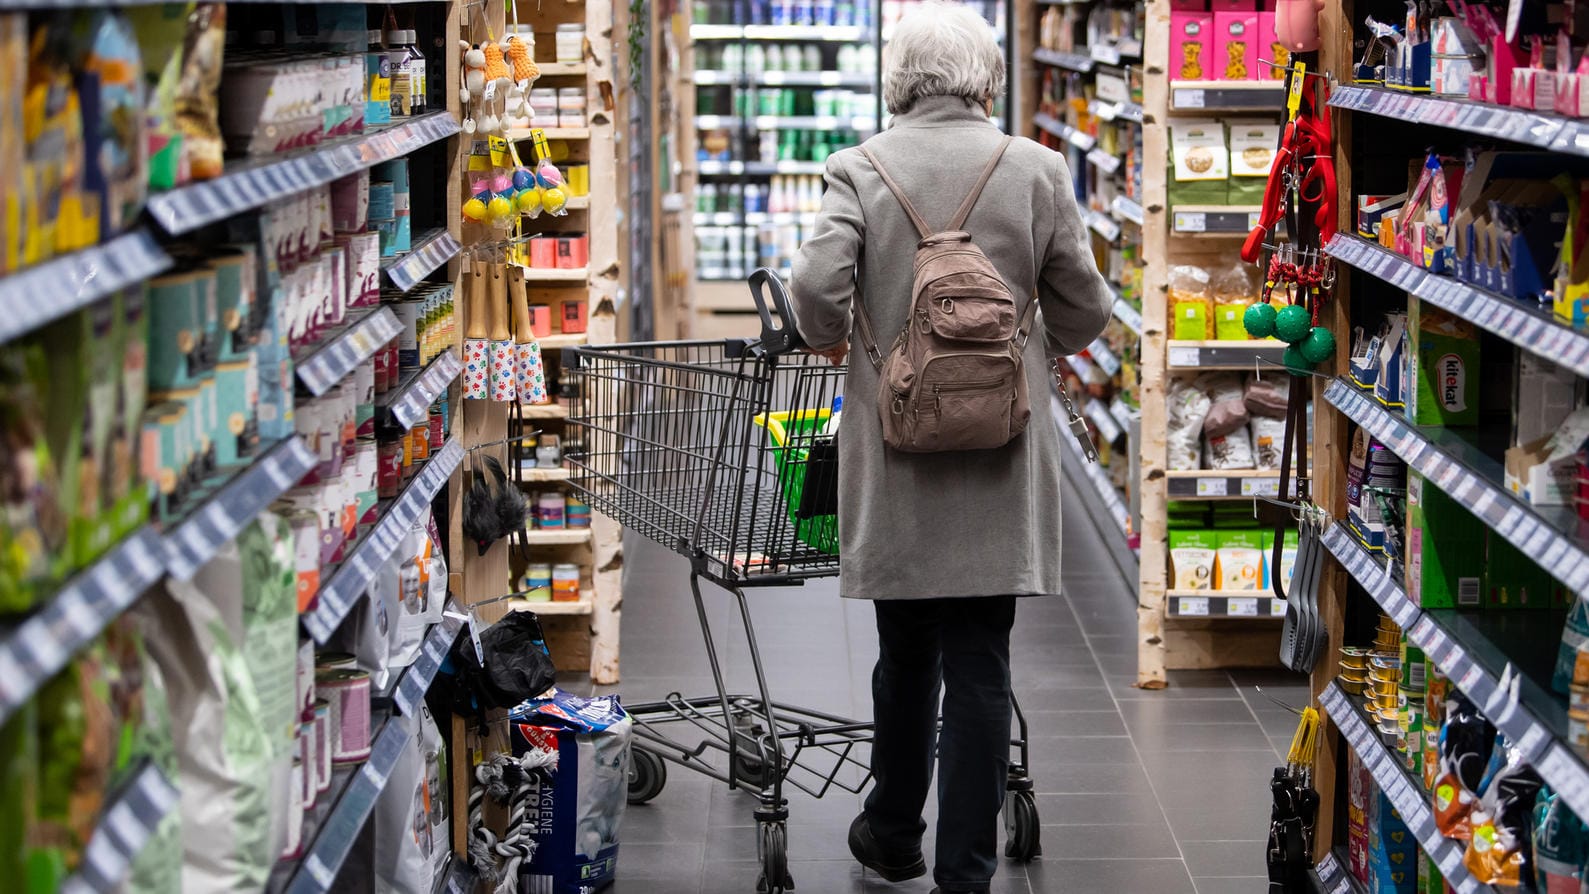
(1444, 367)
(1512, 580)
(1445, 549)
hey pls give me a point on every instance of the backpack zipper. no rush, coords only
(976, 385)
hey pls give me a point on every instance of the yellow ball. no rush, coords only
(474, 209)
(499, 208)
(530, 201)
(555, 199)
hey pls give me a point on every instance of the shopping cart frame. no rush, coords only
(716, 498)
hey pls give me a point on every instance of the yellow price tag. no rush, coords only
(499, 151)
(479, 160)
(543, 148)
(380, 88)
(1299, 70)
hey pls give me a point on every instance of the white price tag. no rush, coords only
(1277, 608)
(1192, 606)
(1191, 222)
(1260, 487)
(1211, 487)
(1188, 99)
(1252, 219)
(1183, 356)
(1242, 606)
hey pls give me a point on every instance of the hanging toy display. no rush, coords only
(472, 91)
(1292, 286)
(529, 367)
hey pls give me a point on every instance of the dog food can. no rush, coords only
(549, 510)
(577, 513)
(419, 442)
(347, 693)
(1578, 729)
(295, 811)
(565, 583)
(389, 468)
(322, 741)
(307, 781)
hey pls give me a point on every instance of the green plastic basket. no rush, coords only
(820, 532)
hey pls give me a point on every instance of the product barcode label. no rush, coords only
(1193, 606)
(1191, 222)
(1185, 357)
(1211, 487)
(1468, 591)
(1242, 606)
(1260, 487)
(1189, 99)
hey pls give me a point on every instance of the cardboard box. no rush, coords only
(1392, 850)
(1360, 790)
(1544, 472)
(1445, 367)
(1543, 395)
(1252, 151)
(1192, 46)
(1512, 580)
(1445, 549)
(1236, 42)
(1271, 50)
(1390, 363)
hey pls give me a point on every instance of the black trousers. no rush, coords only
(961, 648)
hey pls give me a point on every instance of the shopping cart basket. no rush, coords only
(718, 450)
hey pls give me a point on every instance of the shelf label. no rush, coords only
(1106, 54)
(1277, 608)
(1192, 606)
(1242, 606)
(1212, 487)
(1252, 219)
(1191, 222)
(1188, 99)
(1183, 356)
(1260, 487)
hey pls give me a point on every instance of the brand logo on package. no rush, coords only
(1453, 384)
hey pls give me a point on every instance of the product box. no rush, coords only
(1200, 162)
(1445, 367)
(577, 810)
(1236, 42)
(1271, 49)
(1192, 47)
(1238, 564)
(1544, 472)
(1252, 151)
(1513, 580)
(1445, 548)
(1372, 209)
(1392, 850)
(1360, 790)
(1192, 558)
(1390, 363)
(1543, 395)
(1288, 558)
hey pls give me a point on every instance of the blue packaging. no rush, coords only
(580, 803)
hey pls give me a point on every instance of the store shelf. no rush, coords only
(524, 134)
(410, 402)
(1260, 604)
(584, 606)
(1109, 428)
(1214, 220)
(759, 168)
(1129, 316)
(431, 250)
(35, 650)
(1520, 323)
(1238, 355)
(1405, 793)
(578, 203)
(345, 586)
(127, 821)
(556, 274)
(220, 517)
(1331, 876)
(1102, 355)
(251, 184)
(1227, 96)
(1080, 139)
(559, 341)
(342, 824)
(717, 32)
(554, 537)
(1206, 484)
(1081, 62)
(418, 676)
(533, 475)
(1467, 649)
(785, 78)
(731, 218)
(836, 33)
(1497, 122)
(1103, 161)
(1125, 209)
(546, 411)
(46, 292)
(341, 353)
(561, 69)
(1553, 535)
(1097, 480)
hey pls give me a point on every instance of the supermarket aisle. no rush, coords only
(1138, 791)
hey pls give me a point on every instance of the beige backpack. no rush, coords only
(954, 378)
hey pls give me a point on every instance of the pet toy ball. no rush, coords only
(500, 207)
(523, 179)
(502, 183)
(475, 209)
(529, 201)
(548, 174)
(1292, 323)
(1319, 346)
(554, 199)
(1259, 320)
(1295, 363)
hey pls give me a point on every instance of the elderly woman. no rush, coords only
(944, 542)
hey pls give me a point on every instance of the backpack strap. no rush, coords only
(976, 191)
(893, 187)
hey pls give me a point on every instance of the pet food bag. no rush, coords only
(581, 802)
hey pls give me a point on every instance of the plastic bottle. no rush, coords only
(831, 430)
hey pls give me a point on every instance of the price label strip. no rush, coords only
(1128, 316)
(433, 251)
(39, 647)
(332, 362)
(49, 291)
(419, 676)
(127, 822)
(347, 584)
(342, 826)
(1126, 209)
(195, 540)
(412, 403)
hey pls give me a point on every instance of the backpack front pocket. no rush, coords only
(970, 313)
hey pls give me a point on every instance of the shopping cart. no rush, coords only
(718, 450)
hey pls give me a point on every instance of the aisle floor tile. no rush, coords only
(1137, 790)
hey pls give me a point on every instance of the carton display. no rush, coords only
(1236, 41)
(1445, 548)
(1192, 46)
(1192, 555)
(1239, 562)
(1445, 367)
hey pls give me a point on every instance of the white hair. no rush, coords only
(941, 49)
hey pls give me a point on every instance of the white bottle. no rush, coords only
(831, 430)
(773, 58)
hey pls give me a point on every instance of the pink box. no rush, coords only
(1236, 42)
(1270, 48)
(1189, 5)
(543, 252)
(1192, 47)
(1233, 5)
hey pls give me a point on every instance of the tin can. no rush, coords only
(419, 441)
(538, 580)
(436, 423)
(1578, 729)
(347, 693)
(308, 760)
(295, 812)
(577, 513)
(565, 583)
(325, 661)
(389, 468)
(322, 734)
(549, 510)
(1578, 698)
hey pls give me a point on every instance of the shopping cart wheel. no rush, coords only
(773, 848)
(648, 773)
(1022, 828)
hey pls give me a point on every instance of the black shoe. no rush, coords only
(892, 867)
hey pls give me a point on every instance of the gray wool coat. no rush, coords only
(975, 523)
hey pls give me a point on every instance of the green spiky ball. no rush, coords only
(1259, 320)
(1295, 363)
(1292, 323)
(1319, 346)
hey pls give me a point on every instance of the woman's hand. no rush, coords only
(833, 355)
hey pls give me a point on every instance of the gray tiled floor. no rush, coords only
(1140, 792)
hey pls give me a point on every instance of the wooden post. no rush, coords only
(1154, 456)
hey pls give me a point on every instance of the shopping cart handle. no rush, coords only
(778, 332)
